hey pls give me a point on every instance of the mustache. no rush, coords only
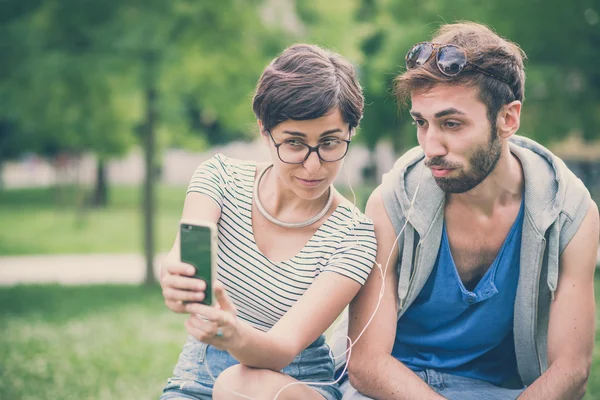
(440, 162)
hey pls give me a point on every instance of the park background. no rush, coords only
(107, 107)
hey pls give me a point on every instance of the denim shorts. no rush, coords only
(191, 379)
(452, 387)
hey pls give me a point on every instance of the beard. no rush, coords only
(481, 163)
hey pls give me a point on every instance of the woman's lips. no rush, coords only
(310, 182)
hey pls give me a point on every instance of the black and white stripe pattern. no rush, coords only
(263, 291)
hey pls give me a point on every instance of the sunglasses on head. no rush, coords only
(450, 59)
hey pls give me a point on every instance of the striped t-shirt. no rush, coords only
(262, 290)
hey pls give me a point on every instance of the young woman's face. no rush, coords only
(311, 178)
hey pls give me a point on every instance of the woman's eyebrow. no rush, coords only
(301, 134)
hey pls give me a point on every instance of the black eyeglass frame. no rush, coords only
(310, 150)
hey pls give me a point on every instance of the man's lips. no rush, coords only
(440, 172)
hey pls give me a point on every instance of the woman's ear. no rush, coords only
(263, 133)
(509, 119)
(260, 126)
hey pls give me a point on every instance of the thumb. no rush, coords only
(223, 299)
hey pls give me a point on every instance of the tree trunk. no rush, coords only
(369, 171)
(149, 144)
(1, 175)
(100, 196)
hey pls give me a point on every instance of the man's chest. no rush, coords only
(475, 243)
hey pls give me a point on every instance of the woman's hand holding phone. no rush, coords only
(179, 286)
(217, 326)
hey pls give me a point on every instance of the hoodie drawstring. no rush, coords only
(552, 279)
(406, 267)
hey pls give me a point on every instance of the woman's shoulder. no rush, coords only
(231, 162)
(229, 166)
(351, 215)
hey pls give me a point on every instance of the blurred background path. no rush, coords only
(76, 269)
(81, 269)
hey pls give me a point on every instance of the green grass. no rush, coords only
(99, 342)
(94, 342)
(102, 342)
(44, 221)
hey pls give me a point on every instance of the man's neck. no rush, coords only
(503, 186)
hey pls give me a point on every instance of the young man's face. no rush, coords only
(460, 145)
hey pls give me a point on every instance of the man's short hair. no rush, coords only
(484, 48)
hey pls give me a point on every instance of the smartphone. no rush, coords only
(198, 241)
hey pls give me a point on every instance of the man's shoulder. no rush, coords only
(401, 171)
(408, 159)
(547, 175)
(552, 191)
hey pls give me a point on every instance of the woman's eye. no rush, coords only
(293, 143)
(330, 142)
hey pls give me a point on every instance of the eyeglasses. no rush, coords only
(450, 59)
(294, 151)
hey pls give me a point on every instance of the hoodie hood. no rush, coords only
(410, 176)
(556, 202)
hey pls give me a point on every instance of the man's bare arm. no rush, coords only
(572, 319)
(372, 369)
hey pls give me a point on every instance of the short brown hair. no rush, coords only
(484, 48)
(307, 82)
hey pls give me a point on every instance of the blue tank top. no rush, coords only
(468, 333)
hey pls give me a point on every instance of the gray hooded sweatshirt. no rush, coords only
(556, 202)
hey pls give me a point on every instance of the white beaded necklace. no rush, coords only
(275, 221)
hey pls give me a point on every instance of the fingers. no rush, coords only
(220, 318)
(177, 289)
(223, 299)
(171, 294)
(175, 306)
(205, 330)
(201, 329)
(181, 269)
(210, 313)
(183, 283)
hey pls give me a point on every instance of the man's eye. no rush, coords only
(419, 122)
(452, 124)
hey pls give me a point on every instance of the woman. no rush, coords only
(292, 252)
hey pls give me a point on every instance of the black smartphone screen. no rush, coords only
(196, 250)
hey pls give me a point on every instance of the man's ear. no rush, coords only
(509, 119)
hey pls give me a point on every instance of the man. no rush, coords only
(491, 243)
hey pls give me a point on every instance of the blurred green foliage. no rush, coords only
(79, 76)
(73, 72)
